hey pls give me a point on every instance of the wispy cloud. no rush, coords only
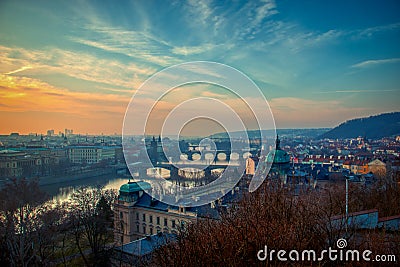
(375, 62)
(369, 32)
(193, 50)
(78, 65)
(138, 45)
(201, 9)
(18, 70)
(355, 91)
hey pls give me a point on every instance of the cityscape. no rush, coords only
(199, 133)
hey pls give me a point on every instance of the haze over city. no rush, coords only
(77, 65)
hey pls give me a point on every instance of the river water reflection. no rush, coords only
(61, 191)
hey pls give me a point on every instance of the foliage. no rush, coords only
(281, 218)
(37, 232)
(90, 216)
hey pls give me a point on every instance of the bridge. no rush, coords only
(213, 151)
(200, 165)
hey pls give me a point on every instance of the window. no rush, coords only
(137, 215)
(165, 222)
(158, 220)
(151, 231)
(137, 228)
(144, 217)
(121, 215)
(151, 219)
(144, 229)
(173, 223)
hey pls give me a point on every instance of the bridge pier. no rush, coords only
(174, 172)
(207, 172)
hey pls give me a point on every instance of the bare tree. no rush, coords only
(90, 219)
(277, 216)
(20, 210)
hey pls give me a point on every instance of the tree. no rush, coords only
(20, 212)
(281, 217)
(90, 217)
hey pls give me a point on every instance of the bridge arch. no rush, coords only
(247, 155)
(196, 156)
(235, 156)
(221, 156)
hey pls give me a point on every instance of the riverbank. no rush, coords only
(50, 180)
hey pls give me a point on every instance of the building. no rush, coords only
(12, 163)
(377, 167)
(138, 215)
(139, 252)
(367, 219)
(50, 133)
(280, 162)
(26, 162)
(251, 163)
(90, 154)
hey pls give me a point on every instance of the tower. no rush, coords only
(280, 160)
(124, 219)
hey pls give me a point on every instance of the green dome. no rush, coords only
(131, 187)
(279, 156)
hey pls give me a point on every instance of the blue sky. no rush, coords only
(73, 64)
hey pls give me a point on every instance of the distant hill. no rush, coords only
(312, 133)
(374, 127)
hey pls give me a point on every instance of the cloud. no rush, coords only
(202, 9)
(192, 50)
(22, 94)
(267, 9)
(369, 32)
(355, 91)
(375, 62)
(74, 64)
(138, 45)
(18, 70)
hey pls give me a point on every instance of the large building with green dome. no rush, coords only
(137, 214)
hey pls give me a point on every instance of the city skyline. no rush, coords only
(77, 66)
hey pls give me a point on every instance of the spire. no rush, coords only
(278, 143)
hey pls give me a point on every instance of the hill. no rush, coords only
(312, 133)
(373, 127)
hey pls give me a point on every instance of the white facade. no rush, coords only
(89, 154)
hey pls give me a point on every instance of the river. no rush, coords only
(61, 191)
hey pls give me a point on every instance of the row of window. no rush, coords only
(151, 231)
(158, 220)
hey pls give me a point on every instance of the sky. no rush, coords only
(77, 64)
